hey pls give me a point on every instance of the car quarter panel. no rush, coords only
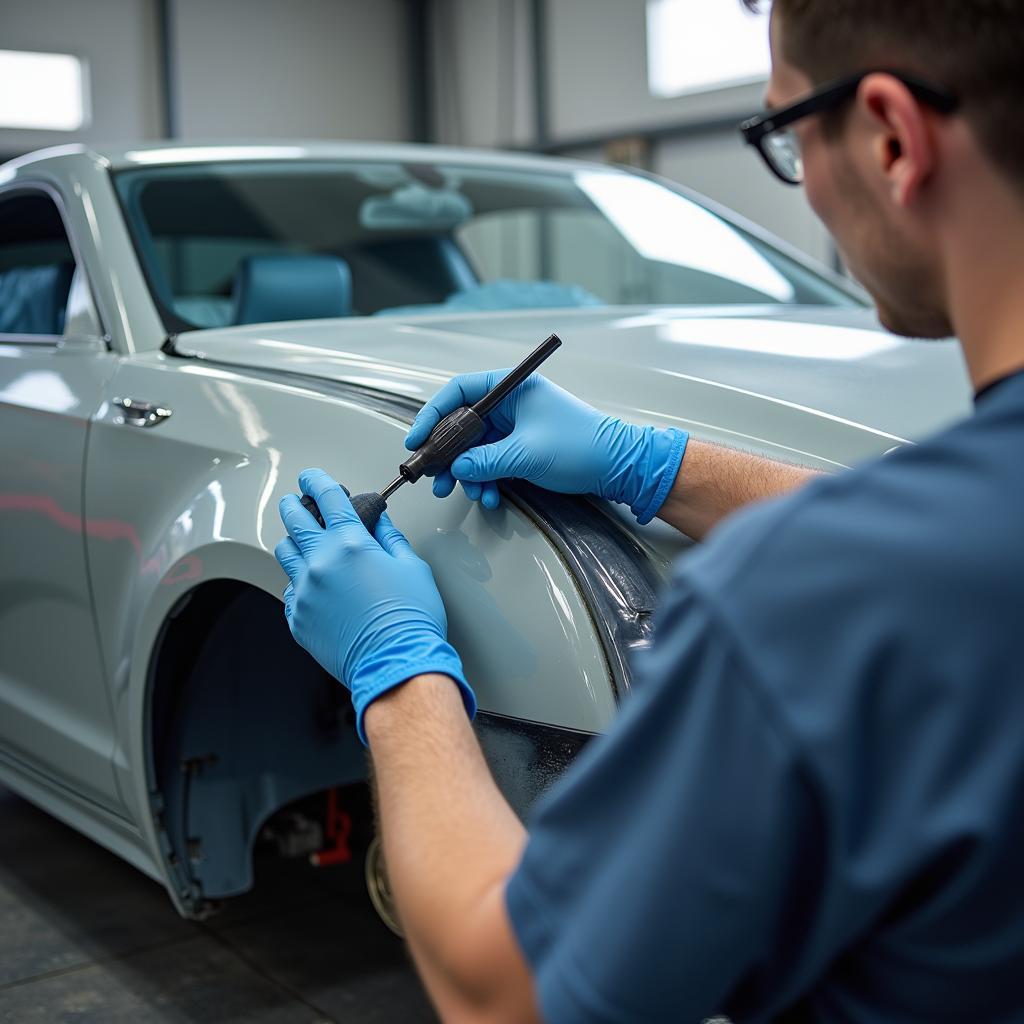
(197, 498)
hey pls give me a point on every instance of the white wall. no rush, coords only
(118, 39)
(305, 68)
(597, 83)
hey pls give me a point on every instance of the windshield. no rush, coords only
(228, 243)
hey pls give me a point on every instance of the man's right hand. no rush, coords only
(543, 434)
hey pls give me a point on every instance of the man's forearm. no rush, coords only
(450, 842)
(713, 481)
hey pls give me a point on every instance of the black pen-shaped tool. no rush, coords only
(458, 431)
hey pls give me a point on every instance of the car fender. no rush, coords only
(194, 500)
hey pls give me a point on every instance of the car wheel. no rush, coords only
(379, 886)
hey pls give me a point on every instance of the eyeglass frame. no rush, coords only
(756, 129)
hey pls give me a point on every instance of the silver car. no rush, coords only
(184, 328)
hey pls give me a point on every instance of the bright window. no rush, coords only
(42, 90)
(697, 45)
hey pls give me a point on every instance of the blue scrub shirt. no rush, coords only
(812, 805)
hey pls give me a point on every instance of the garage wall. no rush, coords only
(306, 68)
(119, 40)
(483, 72)
(596, 72)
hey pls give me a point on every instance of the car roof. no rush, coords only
(127, 155)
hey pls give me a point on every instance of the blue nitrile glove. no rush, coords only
(365, 607)
(543, 434)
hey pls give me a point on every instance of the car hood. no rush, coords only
(818, 385)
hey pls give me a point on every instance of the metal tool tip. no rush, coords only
(392, 487)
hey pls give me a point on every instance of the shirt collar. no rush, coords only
(986, 392)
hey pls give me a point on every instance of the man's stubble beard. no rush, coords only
(902, 280)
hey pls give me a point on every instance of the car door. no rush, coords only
(55, 716)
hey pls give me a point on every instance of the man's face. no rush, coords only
(879, 241)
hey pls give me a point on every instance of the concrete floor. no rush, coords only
(85, 937)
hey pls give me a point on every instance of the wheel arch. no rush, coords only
(238, 721)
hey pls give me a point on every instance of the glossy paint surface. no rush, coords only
(56, 716)
(201, 502)
(824, 384)
(104, 527)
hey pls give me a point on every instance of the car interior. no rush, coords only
(262, 247)
(36, 267)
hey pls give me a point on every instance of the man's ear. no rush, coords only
(903, 147)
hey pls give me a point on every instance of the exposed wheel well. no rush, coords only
(241, 722)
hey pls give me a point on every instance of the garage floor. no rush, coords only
(85, 937)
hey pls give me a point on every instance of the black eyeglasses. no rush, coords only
(777, 143)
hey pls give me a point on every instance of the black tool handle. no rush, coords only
(516, 377)
(458, 431)
(462, 428)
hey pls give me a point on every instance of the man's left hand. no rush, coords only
(366, 607)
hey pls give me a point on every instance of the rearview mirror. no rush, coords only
(416, 206)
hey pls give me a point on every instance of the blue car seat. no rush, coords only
(299, 287)
(33, 300)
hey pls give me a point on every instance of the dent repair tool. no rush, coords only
(458, 431)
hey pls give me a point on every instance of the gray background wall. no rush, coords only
(305, 68)
(118, 38)
(347, 69)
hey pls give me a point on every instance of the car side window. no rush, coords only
(37, 266)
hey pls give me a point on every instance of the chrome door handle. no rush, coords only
(141, 414)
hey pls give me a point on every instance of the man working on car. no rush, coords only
(813, 804)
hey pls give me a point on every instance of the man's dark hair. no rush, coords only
(975, 48)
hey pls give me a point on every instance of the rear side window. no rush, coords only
(36, 266)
